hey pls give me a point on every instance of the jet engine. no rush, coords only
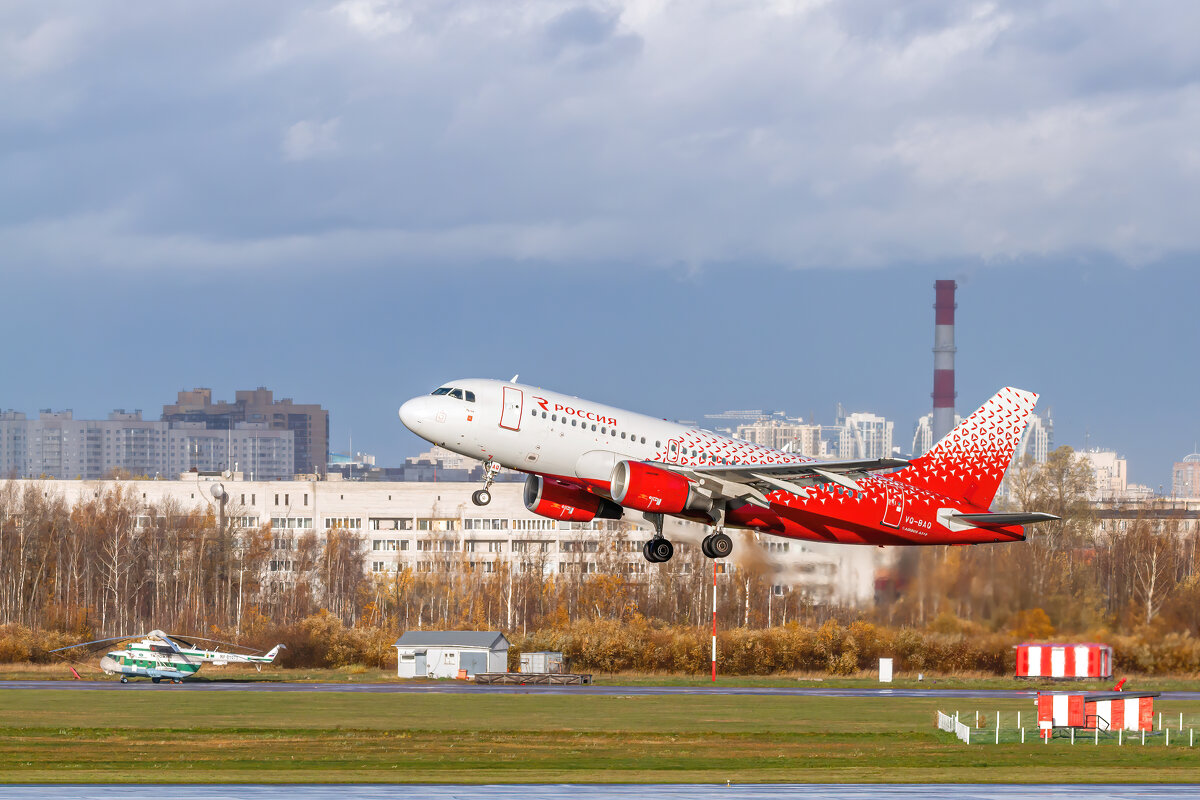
(641, 486)
(563, 501)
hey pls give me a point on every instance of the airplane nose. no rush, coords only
(410, 413)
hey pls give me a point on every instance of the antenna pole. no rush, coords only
(714, 633)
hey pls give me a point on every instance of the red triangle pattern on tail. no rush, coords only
(969, 463)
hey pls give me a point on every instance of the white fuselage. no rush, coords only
(538, 431)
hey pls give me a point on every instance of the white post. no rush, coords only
(1018, 719)
(1143, 736)
(1160, 720)
(1022, 736)
(1168, 742)
(997, 727)
(1120, 737)
(1191, 736)
(1181, 722)
(1096, 735)
(1072, 736)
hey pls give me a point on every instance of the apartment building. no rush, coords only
(433, 526)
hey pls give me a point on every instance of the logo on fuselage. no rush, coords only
(591, 416)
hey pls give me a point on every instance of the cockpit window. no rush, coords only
(470, 396)
(443, 390)
(456, 394)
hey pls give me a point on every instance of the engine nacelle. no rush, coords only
(646, 488)
(563, 501)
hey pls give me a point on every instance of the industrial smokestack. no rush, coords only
(943, 359)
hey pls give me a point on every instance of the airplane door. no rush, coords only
(512, 408)
(893, 512)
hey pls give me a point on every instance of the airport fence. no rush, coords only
(1021, 727)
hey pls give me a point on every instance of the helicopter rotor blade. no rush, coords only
(96, 641)
(218, 641)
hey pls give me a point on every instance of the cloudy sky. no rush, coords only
(673, 206)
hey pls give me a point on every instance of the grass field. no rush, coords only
(173, 735)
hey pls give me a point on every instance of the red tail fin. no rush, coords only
(969, 463)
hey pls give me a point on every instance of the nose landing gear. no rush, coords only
(484, 495)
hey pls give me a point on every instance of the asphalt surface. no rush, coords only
(462, 687)
(459, 687)
(608, 792)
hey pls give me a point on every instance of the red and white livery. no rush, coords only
(589, 461)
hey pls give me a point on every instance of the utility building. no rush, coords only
(441, 654)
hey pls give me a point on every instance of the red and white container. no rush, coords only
(1110, 711)
(1070, 661)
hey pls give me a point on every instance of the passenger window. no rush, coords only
(573, 423)
(533, 413)
(543, 415)
(658, 443)
(441, 391)
(554, 417)
(593, 427)
(643, 440)
(470, 397)
(604, 431)
(456, 394)
(673, 447)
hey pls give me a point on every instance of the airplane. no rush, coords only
(161, 656)
(588, 461)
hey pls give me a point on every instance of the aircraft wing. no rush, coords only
(750, 481)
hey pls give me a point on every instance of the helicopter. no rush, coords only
(160, 656)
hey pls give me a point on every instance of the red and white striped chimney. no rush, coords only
(943, 359)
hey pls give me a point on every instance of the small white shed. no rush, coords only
(441, 654)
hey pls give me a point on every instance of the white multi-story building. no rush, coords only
(1109, 474)
(923, 434)
(423, 526)
(56, 445)
(790, 435)
(863, 435)
(1038, 439)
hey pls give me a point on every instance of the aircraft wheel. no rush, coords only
(647, 553)
(176, 680)
(481, 497)
(155, 680)
(721, 545)
(662, 550)
(124, 679)
(706, 547)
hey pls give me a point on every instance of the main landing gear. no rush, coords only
(484, 495)
(658, 549)
(717, 545)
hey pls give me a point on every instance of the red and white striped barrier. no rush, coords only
(1131, 711)
(1064, 661)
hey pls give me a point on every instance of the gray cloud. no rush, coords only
(802, 133)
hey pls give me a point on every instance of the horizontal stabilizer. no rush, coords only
(1017, 518)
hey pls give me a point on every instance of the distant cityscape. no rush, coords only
(265, 439)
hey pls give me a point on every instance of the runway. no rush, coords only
(460, 687)
(609, 792)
